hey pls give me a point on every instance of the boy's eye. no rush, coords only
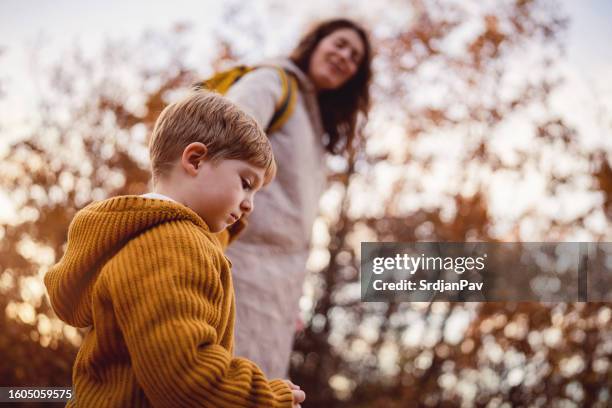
(246, 184)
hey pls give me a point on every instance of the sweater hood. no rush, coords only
(306, 84)
(96, 233)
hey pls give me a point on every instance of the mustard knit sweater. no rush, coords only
(153, 285)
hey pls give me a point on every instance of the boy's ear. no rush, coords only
(192, 157)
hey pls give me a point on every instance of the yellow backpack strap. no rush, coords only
(286, 103)
(222, 81)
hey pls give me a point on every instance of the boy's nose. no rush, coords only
(247, 205)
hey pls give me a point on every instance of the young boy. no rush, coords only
(148, 274)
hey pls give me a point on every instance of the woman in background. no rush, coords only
(332, 65)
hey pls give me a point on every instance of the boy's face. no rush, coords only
(222, 192)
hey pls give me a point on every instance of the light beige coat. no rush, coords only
(269, 258)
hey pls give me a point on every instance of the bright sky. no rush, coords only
(61, 23)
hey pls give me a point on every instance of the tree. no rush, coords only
(88, 143)
(450, 83)
(365, 354)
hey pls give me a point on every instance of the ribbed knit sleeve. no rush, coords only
(169, 290)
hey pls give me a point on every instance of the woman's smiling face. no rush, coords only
(336, 59)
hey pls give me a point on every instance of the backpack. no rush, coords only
(222, 81)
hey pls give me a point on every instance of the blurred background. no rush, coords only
(491, 122)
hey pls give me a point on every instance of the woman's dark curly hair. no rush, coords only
(339, 107)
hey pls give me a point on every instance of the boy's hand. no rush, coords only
(298, 395)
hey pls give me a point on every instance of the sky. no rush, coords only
(58, 25)
(589, 34)
(27, 24)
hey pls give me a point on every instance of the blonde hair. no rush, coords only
(213, 120)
